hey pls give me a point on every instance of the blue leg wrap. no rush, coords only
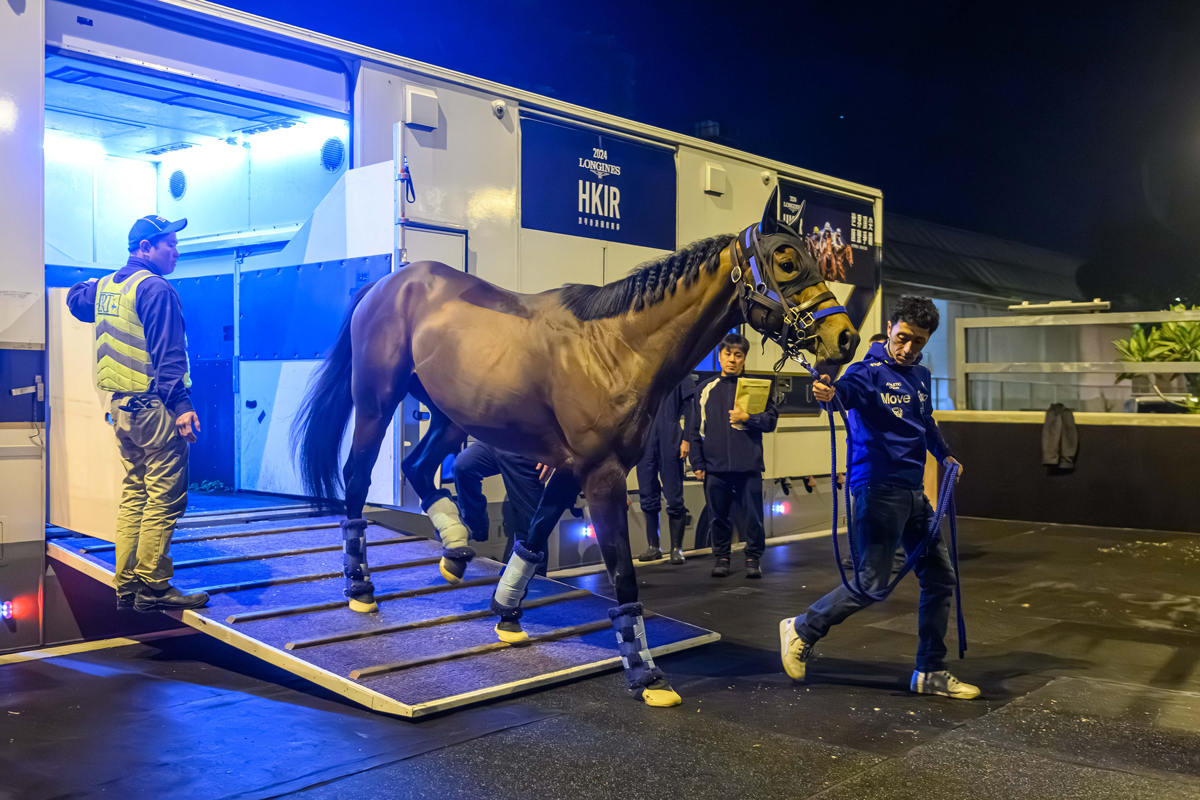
(514, 583)
(631, 642)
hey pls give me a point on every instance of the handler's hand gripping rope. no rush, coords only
(945, 504)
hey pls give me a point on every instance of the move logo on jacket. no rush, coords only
(891, 420)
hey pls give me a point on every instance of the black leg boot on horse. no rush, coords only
(559, 494)
(368, 435)
(606, 496)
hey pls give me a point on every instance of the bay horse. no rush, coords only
(570, 377)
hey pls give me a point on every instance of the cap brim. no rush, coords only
(176, 226)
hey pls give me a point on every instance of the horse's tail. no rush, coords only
(321, 422)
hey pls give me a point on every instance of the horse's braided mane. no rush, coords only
(650, 283)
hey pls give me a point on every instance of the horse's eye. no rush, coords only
(788, 266)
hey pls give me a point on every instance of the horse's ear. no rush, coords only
(769, 219)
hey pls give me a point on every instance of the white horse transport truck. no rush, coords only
(308, 167)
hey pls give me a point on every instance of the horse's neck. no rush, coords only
(674, 334)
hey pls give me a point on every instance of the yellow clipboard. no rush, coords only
(752, 395)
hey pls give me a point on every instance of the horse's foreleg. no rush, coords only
(420, 467)
(561, 490)
(369, 430)
(606, 494)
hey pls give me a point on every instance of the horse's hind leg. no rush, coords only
(420, 466)
(560, 492)
(370, 426)
(606, 495)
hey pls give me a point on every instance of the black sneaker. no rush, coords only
(721, 568)
(169, 599)
(752, 568)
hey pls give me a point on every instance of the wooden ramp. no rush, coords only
(276, 590)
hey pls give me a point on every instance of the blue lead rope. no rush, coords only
(945, 509)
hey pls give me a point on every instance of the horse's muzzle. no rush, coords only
(847, 346)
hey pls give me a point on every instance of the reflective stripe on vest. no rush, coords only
(122, 358)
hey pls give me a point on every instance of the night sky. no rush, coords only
(1069, 125)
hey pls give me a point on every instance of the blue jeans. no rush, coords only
(884, 518)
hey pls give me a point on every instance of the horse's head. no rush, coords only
(783, 293)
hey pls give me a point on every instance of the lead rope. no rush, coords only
(945, 509)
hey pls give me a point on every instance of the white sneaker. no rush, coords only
(792, 649)
(942, 683)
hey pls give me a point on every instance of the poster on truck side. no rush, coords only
(839, 231)
(584, 182)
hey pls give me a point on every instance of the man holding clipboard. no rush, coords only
(730, 417)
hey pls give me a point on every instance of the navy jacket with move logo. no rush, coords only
(891, 419)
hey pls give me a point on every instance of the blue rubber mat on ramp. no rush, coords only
(429, 647)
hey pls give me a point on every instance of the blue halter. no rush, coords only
(762, 297)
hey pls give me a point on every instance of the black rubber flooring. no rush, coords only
(1084, 641)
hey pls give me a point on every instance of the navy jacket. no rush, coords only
(891, 419)
(665, 430)
(161, 313)
(716, 446)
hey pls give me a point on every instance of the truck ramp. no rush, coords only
(276, 593)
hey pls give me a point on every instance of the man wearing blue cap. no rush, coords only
(141, 358)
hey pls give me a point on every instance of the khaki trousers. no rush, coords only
(153, 494)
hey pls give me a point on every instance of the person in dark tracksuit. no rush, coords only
(666, 448)
(141, 358)
(730, 461)
(891, 419)
(521, 484)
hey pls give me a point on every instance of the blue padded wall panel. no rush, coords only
(18, 369)
(296, 312)
(212, 455)
(69, 276)
(208, 312)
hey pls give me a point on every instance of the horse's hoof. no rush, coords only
(454, 563)
(452, 570)
(364, 605)
(509, 631)
(660, 695)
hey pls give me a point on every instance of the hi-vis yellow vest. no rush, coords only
(122, 358)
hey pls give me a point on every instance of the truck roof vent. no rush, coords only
(178, 184)
(333, 153)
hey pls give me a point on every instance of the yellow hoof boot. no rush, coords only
(661, 698)
(510, 632)
(454, 563)
(364, 607)
(451, 570)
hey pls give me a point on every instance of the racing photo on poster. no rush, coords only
(839, 231)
